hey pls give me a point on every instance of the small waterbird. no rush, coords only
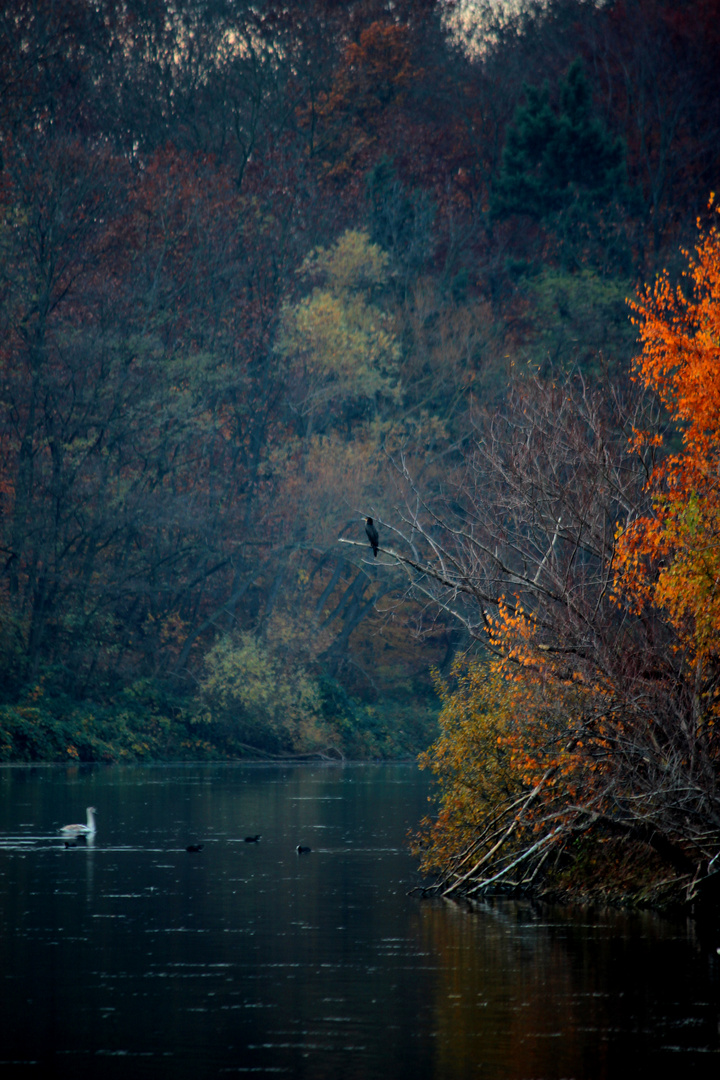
(302, 850)
(252, 839)
(82, 830)
(194, 847)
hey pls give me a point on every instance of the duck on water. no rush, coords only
(82, 830)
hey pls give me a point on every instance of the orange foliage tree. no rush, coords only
(670, 557)
(571, 747)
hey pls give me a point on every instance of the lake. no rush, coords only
(130, 957)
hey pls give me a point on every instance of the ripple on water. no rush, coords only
(316, 968)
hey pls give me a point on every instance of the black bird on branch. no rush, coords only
(372, 535)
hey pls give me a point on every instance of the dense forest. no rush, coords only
(268, 269)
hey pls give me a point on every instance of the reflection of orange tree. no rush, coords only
(503, 999)
(589, 727)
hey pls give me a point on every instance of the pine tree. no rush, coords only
(555, 156)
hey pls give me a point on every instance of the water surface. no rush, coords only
(131, 957)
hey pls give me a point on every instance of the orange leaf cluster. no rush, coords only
(670, 559)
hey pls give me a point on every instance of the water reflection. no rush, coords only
(532, 991)
(241, 957)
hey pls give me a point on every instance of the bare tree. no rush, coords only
(518, 545)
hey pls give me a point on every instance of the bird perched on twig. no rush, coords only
(372, 535)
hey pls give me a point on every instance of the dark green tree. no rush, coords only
(565, 172)
(558, 154)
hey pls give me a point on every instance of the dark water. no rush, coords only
(132, 958)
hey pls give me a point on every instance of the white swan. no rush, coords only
(82, 830)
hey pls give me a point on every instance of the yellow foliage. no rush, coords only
(263, 700)
(515, 755)
(470, 759)
(352, 264)
(339, 334)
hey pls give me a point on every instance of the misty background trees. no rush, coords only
(253, 256)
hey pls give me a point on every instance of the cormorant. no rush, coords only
(372, 535)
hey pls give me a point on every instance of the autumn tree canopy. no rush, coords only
(593, 715)
(257, 259)
(670, 558)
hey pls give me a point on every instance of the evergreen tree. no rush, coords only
(559, 155)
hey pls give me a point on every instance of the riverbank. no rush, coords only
(142, 725)
(597, 871)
